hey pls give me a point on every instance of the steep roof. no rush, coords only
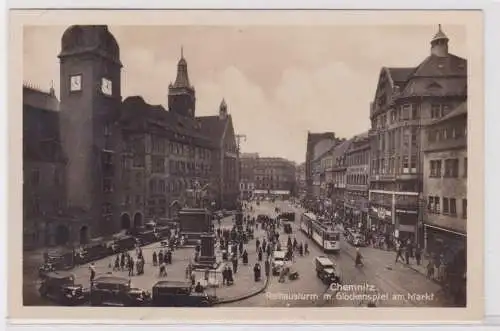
(400, 75)
(37, 98)
(213, 126)
(136, 114)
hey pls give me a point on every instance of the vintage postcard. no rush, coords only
(246, 166)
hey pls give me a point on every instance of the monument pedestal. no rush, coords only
(207, 257)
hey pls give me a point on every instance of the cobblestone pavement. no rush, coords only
(395, 284)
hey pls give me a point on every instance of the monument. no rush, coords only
(195, 224)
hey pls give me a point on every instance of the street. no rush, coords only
(396, 284)
(392, 283)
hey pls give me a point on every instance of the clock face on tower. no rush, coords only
(75, 83)
(106, 86)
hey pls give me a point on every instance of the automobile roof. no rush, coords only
(112, 280)
(172, 283)
(59, 275)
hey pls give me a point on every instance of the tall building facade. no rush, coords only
(357, 179)
(406, 100)
(339, 176)
(44, 162)
(111, 165)
(248, 163)
(445, 187)
(300, 179)
(317, 144)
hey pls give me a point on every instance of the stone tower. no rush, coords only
(181, 95)
(90, 93)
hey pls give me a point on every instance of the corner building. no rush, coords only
(406, 101)
(122, 163)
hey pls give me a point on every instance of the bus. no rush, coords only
(327, 238)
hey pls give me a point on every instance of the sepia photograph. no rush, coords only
(246, 165)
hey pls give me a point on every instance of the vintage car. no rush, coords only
(112, 290)
(60, 288)
(326, 271)
(179, 294)
(278, 262)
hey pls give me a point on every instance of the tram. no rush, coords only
(327, 239)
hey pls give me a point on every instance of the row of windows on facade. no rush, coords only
(163, 146)
(56, 206)
(391, 141)
(449, 206)
(355, 195)
(157, 185)
(408, 112)
(402, 200)
(449, 132)
(357, 179)
(247, 186)
(451, 168)
(358, 158)
(395, 165)
(56, 179)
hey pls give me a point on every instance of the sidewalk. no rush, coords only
(388, 258)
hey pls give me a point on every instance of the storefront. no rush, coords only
(380, 220)
(451, 244)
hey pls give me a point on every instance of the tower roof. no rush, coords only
(439, 35)
(90, 38)
(223, 104)
(182, 79)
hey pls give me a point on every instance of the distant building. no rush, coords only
(317, 144)
(274, 176)
(300, 179)
(357, 179)
(105, 165)
(406, 100)
(445, 186)
(248, 163)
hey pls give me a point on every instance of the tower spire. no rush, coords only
(439, 44)
(182, 48)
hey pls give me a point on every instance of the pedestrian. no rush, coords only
(267, 267)
(193, 278)
(92, 272)
(301, 249)
(260, 254)
(257, 244)
(418, 254)
(155, 259)
(306, 249)
(117, 263)
(430, 269)
(399, 254)
(163, 269)
(122, 261)
(131, 266)
(257, 272)
(407, 254)
(235, 264)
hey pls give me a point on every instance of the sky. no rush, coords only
(279, 81)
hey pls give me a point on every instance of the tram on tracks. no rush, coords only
(322, 234)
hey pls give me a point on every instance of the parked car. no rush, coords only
(179, 294)
(278, 261)
(112, 290)
(60, 287)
